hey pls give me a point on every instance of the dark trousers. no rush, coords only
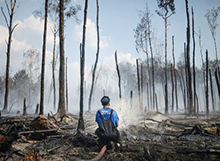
(102, 142)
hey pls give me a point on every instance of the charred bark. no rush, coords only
(211, 87)
(53, 68)
(174, 72)
(131, 98)
(11, 11)
(119, 76)
(43, 60)
(97, 56)
(82, 70)
(37, 108)
(61, 105)
(207, 85)
(24, 107)
(67, 107)
(194, 52)
(138, 82)
(217, 81)
(172, 85)
(190, 96)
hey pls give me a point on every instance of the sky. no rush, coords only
(118, 19)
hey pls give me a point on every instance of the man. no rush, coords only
(107, 120)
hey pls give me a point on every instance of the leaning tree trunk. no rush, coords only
(11, 12)
(207, 85)
(217, 81)
(194, 70)
(43, 61)
(82, 70)
(97, 56)
(190, 96)
(61, 105)
(118, 72)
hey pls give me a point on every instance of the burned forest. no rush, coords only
(109, 80)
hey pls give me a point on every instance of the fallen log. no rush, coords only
(101, 153)
(197, 129)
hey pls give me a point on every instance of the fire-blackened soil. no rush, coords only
(153, 136)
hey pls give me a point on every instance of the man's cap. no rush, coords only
(105, 100)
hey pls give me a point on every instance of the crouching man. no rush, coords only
(107, 131)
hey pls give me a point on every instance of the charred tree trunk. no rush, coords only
(207, 85)
(152, 57)
(190, 96)
(97, 56)
(118, 72)
(172, 82)
(43, 61)
(131, 98)
(148, 71)
(174, 72)
(138, 82)
(194, 52)
(82, 70)
(67, 107)
(156, 101)
(61, 106)
(217, 81)
(142, 85)
(53, 68)
(11, 12)
(211, 87)
(24, 107)
(182, 85)
(166, 90)
(203, 63)
(197, 102)
(37, 108)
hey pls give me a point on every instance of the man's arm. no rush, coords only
(117, 124)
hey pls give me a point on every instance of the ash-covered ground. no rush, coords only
(151, 136)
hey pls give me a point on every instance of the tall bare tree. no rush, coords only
(212, 16)
(43, 61)
(139, 86)
(207, 85)
(175, 73)
(11, 8)
(61, 105)
(97, 55)
(167, 9)
(148, 23)
(141, 42)
(194, 63)
(191, 108)
(67, 100)
(82, 70)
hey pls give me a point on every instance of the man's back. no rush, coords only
(106, 112)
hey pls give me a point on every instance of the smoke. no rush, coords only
(128, 115)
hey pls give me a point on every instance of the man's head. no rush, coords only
(105, 100)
